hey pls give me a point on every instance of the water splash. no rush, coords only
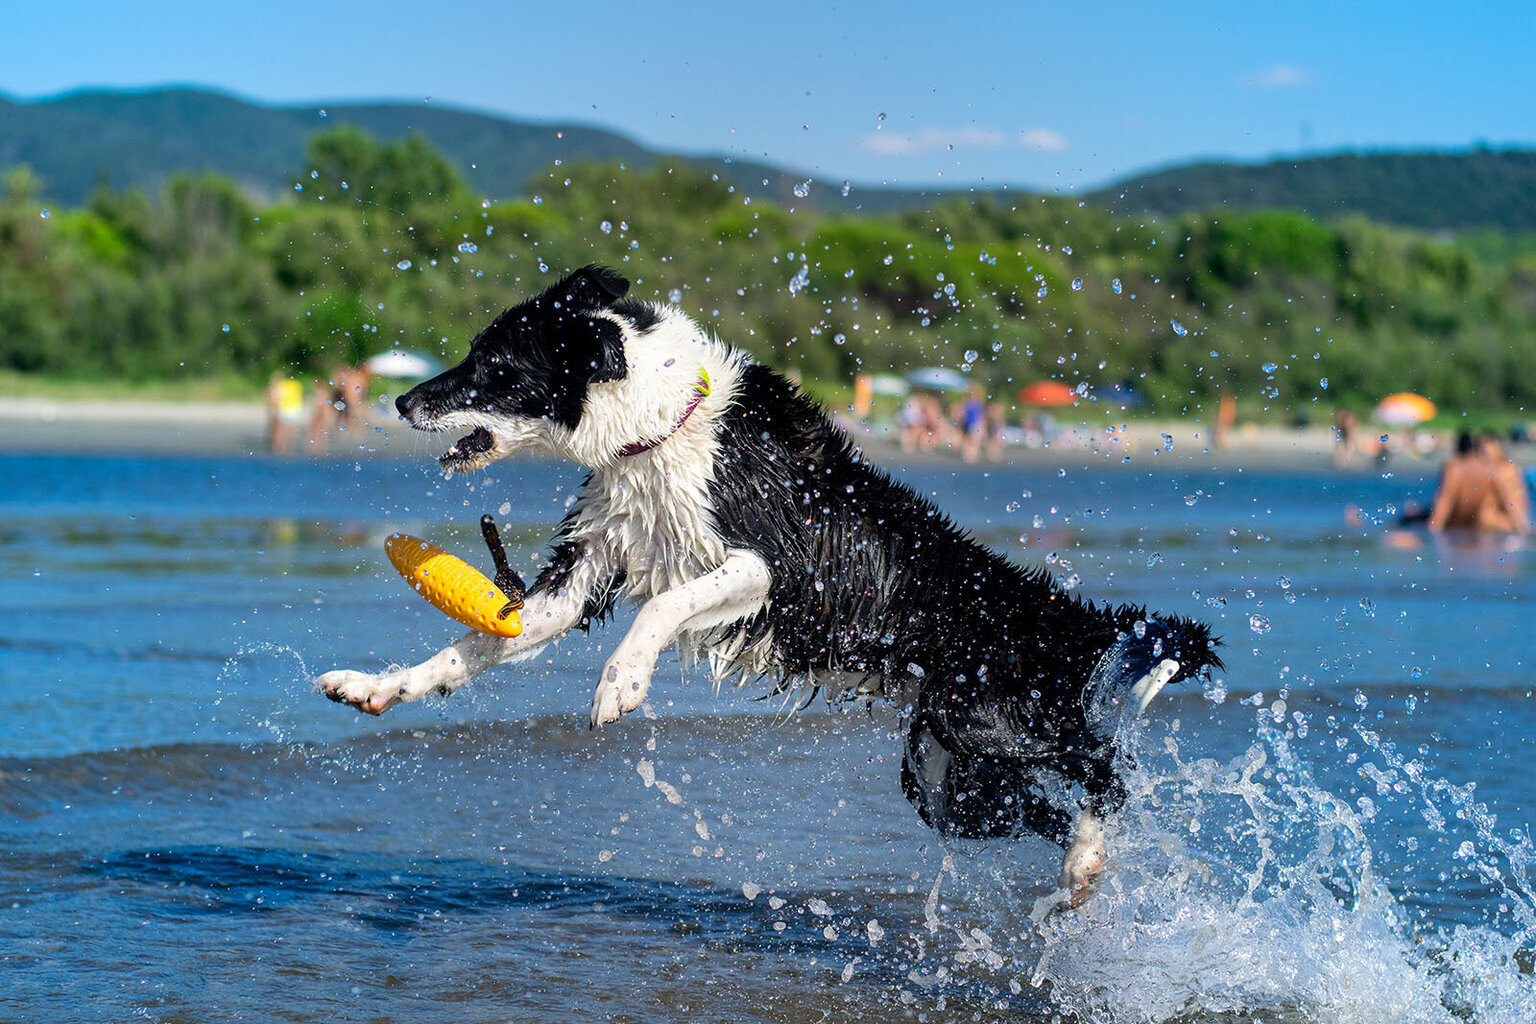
(1242, 885)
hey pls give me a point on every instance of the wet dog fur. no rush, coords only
(751, 532)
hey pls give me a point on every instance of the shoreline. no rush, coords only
(42, 426)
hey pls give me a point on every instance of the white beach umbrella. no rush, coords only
(399, 362)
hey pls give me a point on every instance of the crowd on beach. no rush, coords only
(1481, 487)
(970, 425)
(299, 421)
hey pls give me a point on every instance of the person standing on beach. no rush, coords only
(285, 413)
(1481, 489)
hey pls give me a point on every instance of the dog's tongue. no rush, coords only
(471, 444)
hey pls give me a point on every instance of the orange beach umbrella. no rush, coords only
(1047, 392)
(1403, 409)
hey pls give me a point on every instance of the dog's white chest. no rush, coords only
(656, 520)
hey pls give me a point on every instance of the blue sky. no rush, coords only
(1057, 96)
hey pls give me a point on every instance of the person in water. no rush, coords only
(1481, 489)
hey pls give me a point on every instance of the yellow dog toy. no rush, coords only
(458, 589)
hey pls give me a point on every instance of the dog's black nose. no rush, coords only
(406, 403)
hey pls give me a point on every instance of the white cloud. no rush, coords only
(1044, 140)
(927, 140)
(931, 140)
(1279, 76)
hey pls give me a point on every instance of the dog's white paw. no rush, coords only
(1084, 863)
(622, 688)
(368, 693)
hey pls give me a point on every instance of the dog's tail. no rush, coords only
(1155, 651)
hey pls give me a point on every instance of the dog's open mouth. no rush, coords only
(469, 451)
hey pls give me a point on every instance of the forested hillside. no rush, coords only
(385, 245)
(141, 138)
(1455, 192)
(80, 141)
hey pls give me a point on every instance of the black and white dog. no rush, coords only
(754, 534)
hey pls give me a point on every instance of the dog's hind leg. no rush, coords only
(1085, 859)
(554, 606)
(735, 590)
(1086, 856)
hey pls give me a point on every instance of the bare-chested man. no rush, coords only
(1481, 489)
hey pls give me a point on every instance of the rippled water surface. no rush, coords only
(1335, 830)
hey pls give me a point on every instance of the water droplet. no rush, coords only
(1258, 623)
(847, 188)
(1116, 287)
(971, 355)
(1178, 328)
(839, 338)
(803, 189)
(1270, 367)
(403, 265)
(1323, 383)
(800, 280)
(1077, 284)
(889, 259)
(1368, 606)
(606, 227)
(46, 213)
(226, 328)
(1167, 442)
(1154, 558)
(675, 295)
(468, 247)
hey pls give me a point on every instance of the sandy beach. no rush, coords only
(42, 425)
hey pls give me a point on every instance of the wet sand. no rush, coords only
(38, 425)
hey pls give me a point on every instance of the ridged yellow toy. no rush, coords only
(453, 586)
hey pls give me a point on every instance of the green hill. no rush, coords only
(139, 139)
(129, 139)
(1478, 189)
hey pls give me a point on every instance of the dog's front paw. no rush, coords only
(622, 689)
(368, 693)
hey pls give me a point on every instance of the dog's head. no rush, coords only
(527, 376)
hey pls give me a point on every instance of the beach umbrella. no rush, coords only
(1403, 410)
(1047, 392)
(939, 378)
(1122, 395)
(399, 362)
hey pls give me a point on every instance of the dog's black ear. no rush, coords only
(591, 288)
(608, 362)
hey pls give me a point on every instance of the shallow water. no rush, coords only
(1334, 831)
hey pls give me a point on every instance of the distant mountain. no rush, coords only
(80, 140)
(1447, 191)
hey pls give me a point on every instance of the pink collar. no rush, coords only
(700, 392)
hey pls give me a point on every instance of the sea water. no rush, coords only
(1334, 828)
